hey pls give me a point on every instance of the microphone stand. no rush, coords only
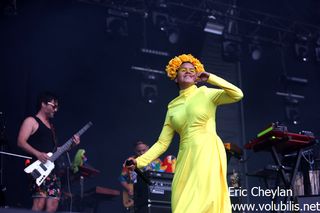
(15, 155)
(68, 181)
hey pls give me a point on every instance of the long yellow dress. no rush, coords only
(199, 184)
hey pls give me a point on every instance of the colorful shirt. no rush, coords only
(131, 176)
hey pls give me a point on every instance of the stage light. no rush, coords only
(160, 20)
(161, 3)
(301, 47)
(293, 80)
(214, 28)
(148, 85)
(290, 95)
(149, 92)
(173, 35)
(293, 114)
(302, 52)
(255, 51)
(146, 69)
(154, 52)
(167, 25)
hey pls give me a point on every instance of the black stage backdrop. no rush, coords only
(63, 46)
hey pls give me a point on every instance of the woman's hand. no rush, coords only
(203, 77)
(130, 164)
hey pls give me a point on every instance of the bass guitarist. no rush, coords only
(37, 137)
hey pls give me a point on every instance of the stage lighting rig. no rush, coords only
(212, 26)
(148, 84)
(301, 47)
(167, 24)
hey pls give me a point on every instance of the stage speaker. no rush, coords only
(156, 197)
(159, 192)
(153, 208)
(309, 204)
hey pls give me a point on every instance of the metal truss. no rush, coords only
(250, 23)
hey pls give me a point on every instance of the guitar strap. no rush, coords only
(55, 140)
(61, 163)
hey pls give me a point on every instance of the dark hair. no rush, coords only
(45, 98)
(139, 142)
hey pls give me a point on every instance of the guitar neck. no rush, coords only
(68, 144)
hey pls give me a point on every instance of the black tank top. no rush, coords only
(43, 139)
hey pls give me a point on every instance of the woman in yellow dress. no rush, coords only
(199, 184)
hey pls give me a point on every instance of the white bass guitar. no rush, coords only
(40, 171)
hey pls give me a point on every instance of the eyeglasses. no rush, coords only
(192, 70)
(54, 106)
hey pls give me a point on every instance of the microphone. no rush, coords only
(139, 172)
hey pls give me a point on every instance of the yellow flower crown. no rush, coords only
(176, 62)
